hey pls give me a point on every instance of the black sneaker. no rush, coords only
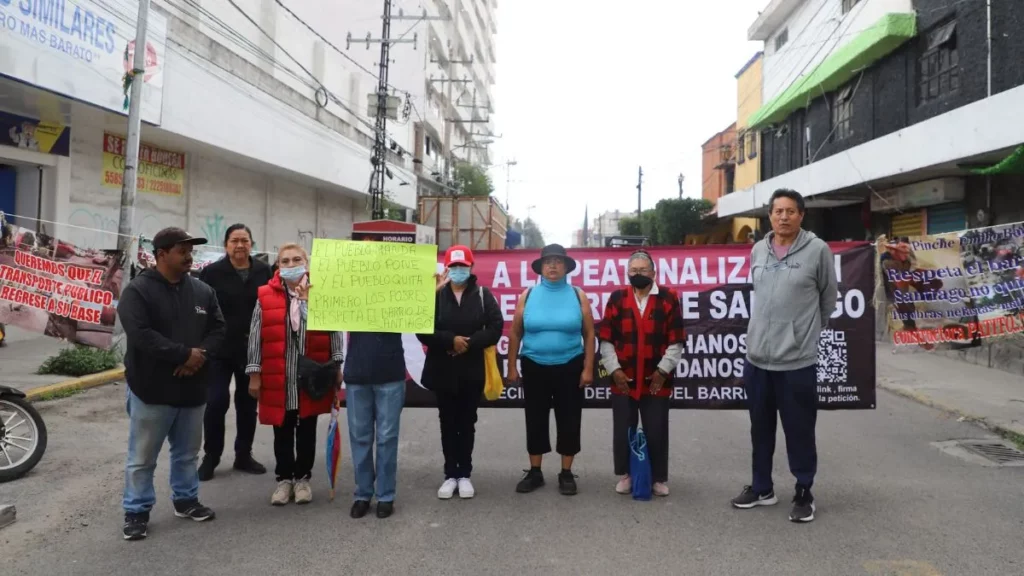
(567, 483)
(206, 469)
(359, 509)
(749, 499)
(803, 506)
(385, 509)
(249, 464)
(193, 510)
(532, 480)
(135, 526)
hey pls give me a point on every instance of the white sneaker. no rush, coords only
(447, 490)
(466, 489)
(660, 489)
(625, 485)
(303, 492)
(282, 494)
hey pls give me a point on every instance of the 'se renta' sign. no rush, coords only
(372, 286)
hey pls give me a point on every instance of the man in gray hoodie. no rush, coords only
(795, 294)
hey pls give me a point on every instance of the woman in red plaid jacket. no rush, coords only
(641, 343)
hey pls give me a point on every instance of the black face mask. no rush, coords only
(640, 281)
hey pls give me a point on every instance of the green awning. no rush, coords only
(874, 43)
(1012, 164)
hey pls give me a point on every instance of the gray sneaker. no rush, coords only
(803, 506)
(749, 499)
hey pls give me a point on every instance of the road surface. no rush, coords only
(889, 504)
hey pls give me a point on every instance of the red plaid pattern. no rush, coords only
(640, 342)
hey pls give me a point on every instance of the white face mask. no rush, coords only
(293, 274)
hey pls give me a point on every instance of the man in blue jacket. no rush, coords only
(374, 397)
(795, 289)
(173, 324)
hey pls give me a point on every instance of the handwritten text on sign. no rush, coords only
(372, 286)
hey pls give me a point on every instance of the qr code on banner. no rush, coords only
(832, 357)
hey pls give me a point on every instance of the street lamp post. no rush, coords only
(681, 178)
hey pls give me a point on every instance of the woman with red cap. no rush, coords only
(467, 320)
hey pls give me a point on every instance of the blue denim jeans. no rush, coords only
(374, 411)
(149, 426)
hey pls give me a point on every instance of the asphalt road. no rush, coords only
(889, 504)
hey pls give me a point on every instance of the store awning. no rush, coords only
(1012, 164)
(874, 43)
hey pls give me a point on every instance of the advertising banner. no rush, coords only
(58, 289)
(372, 286)
(78, 48)
(713, 285)
(954, 290)
(31, 134)
(159, 171)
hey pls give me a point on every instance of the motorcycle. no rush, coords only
(22, 435)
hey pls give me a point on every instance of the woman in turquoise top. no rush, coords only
(555, 326)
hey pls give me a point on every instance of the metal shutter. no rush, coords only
(909, 223)
(944, 218)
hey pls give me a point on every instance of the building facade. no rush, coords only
(748, 142)
(718, 165)
(893, 115)
(254, 111)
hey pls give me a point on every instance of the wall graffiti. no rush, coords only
(91, 228)
(214, 227)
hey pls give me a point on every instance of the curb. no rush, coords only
(83, 383)
(926, 400)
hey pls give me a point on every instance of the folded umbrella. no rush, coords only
(333, 449)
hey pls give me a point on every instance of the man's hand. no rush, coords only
(621, 381)
(255, 383)
(461, 344)
(587, 377)
(183, 372)
(657, 381)
(196, 359)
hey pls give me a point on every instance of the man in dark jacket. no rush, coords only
(173, 324)
(467, 320)
(236, 279)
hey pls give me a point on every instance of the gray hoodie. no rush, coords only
(793, 300)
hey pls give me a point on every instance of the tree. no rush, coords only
(630, 226)
(532, 237)
(677, 217)
(473, 180)
(650, 226)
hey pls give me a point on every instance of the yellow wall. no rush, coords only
(748, 100)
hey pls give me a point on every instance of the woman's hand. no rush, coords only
(302, 289)
(441, 280)
(255, 383)
(513, 375)
(587, 377)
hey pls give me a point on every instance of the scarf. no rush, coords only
(297, 309)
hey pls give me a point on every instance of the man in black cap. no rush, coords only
(172, 323)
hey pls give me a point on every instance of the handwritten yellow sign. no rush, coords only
(372, 286)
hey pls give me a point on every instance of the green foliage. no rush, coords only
(676, 218)
(80, 361)
(473, 180)
(532, 237)
(630, 226)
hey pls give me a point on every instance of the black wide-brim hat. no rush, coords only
(554, 250)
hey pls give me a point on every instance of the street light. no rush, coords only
(681, 178)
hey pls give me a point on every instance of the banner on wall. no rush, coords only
(159, 172)
(35, 135)
(954, 290)
(713, 285)
(58, 289)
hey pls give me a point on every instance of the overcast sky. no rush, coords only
(586, 93)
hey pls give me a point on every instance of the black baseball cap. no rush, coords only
(170, 237)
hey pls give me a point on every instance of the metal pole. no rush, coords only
(639, 189)
(380, 127)
(131, 154)
(453, 37)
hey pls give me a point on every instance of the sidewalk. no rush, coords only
(993, 397)
(21, 357)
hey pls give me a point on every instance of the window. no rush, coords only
(849, 4)
(752, 145)
(940, 64)
(741, 154)
(842, 112)
(781, 39)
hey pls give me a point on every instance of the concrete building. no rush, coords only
(718, 165)
(606, 225)
(891, 116)
(748, 142)
(253, 112)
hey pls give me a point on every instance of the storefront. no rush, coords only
(928, 207)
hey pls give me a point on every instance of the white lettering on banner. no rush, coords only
(76, 48)
(604, 272)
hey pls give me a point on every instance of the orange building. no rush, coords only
(718, 172)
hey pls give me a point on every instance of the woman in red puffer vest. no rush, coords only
(277, 338)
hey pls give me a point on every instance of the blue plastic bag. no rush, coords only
(639, 465)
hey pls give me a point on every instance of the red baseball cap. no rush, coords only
(458, 254)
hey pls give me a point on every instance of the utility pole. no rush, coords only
(129, 178)
(508, 182)
(639, 190)
(383, 109)
(681, 179)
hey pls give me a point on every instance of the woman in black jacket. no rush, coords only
(467, 320)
